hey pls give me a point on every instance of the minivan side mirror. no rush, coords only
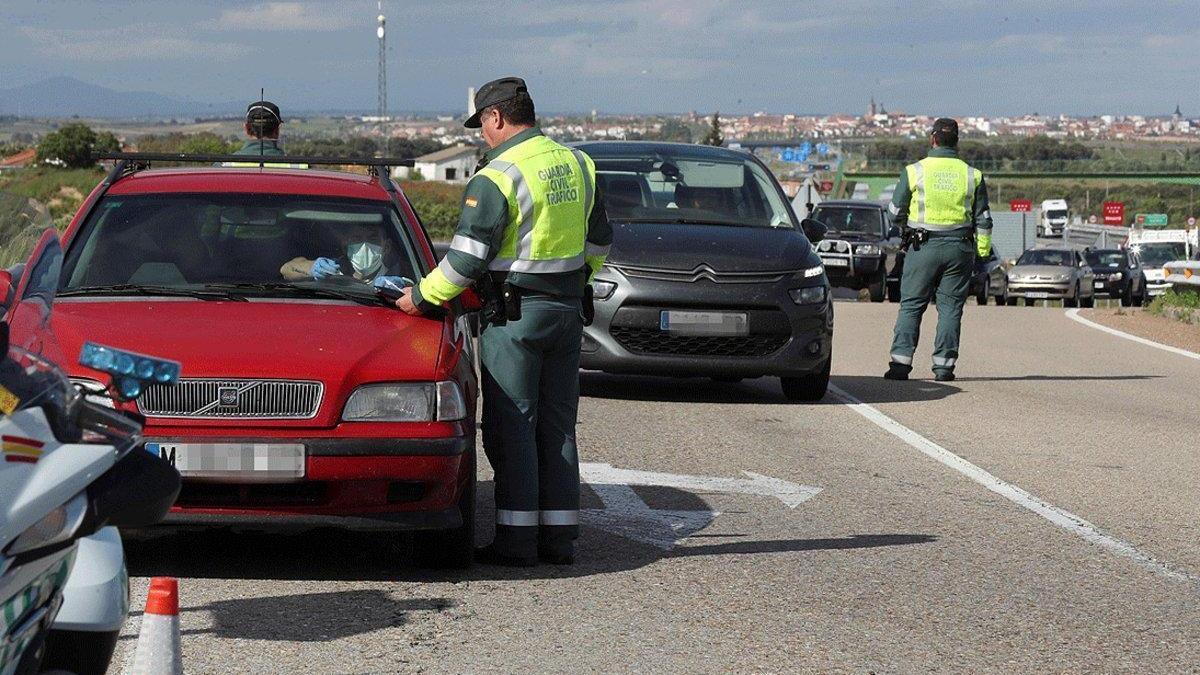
(894, 232)
(813, 229)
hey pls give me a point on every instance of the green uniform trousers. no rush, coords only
(940, 271)
(530, 404)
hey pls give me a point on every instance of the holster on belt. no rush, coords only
(501, 300)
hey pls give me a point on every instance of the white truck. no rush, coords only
(1053, 218)
(1156, 248)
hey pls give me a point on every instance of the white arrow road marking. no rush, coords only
(791, 494)
(627, 515)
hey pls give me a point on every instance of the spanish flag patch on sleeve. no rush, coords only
(471, 202)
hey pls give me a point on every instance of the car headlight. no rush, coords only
(814, 271)
(1014, 277)
(55, 527)
(809, 295)
(93, 391)
(1116, 276)
(602, 290)
(406, 402)
(867, 249)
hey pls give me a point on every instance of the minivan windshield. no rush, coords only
(847, 219)
(248, 244)
(658, 184)
(1161, 253)
(1050, 257)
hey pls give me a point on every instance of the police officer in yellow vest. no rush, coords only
(946, 201)
(533, 220)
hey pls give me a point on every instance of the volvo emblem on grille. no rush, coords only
(227, 397)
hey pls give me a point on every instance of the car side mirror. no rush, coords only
(6, 290)
(893, 232)
(813, 229)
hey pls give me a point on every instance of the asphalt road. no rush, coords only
(1056, 533)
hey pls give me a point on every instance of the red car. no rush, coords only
(307, 398)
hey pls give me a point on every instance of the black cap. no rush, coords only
(496, 91)
(944, 124)
(263, 111)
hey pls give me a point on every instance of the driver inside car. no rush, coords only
(363, 255)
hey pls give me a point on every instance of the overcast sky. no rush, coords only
(934, 56)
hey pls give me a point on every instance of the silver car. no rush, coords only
(1052, 274)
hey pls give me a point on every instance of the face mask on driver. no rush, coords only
(365, 258)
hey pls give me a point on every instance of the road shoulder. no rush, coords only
(1143, 324)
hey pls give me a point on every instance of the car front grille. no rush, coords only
(654, 341)
(233, 399)
(704, 272)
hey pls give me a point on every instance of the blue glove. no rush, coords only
(324, 267)
(396, 284)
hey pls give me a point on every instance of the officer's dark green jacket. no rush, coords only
(902, 197)
(268, 147)
(485, 218)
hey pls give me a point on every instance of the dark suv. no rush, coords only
(861, 248)
(1118, 274)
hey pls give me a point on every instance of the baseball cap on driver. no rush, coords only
(496, 91)
(945, 124)
(264, 111)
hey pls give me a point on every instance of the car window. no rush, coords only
(1106, 258)
(1051, 257)
(190, 240)
(658, 185)
(850, 219)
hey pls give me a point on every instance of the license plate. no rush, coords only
(1099, 284)
(704, 323)
(253, 462)
(1037, 295)
(835, 262)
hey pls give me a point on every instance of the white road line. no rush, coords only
(1064, 519)
(1073, 314)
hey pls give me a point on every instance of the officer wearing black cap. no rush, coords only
(534, 227)
(262, 128)
(942, 203)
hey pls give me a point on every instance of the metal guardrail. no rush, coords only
(1183, 273)
(1096, 236)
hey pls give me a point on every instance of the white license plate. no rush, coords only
(1099, 284)
(1037, 295)
(704, 323)
(251, 462)
(835, 262)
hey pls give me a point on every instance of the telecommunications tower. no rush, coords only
(382, 33)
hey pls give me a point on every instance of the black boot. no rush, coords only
(943, 375)
(897, 371)
(490, 555)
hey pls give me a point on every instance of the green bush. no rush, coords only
(437, 204)
(1177, 304)
(72, 146)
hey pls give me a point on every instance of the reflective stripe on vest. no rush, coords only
(943, 193)
(550, 191)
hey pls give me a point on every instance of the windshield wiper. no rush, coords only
(684, 221)
(151, 290)
(286, 288)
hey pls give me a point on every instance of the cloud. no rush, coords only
(141, 41)
(293, 16)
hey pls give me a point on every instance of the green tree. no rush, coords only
(713, 136)
(672, 130)
(72, 146)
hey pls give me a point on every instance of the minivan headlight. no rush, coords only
(809, 295)
(406, 402)
(867, 249)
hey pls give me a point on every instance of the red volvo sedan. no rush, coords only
(307, 398)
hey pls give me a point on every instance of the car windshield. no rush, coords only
(251, 243)
(850, 219)
(1105, 258)
(660, 185)
(1049, 257)
(1056, 214)
(1159, 254)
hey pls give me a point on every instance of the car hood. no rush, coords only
(724, 248)
(1040, 270)
(333, 342)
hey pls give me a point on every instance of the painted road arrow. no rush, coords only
(791, 494)
(626, 514)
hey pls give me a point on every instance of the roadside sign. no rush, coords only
(1021, 205)
(1151, 219)
(1114, 213)
(1093, 219)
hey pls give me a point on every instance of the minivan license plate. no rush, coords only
(704, 323)
(250, 462)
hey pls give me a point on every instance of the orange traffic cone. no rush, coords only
(158, 651)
